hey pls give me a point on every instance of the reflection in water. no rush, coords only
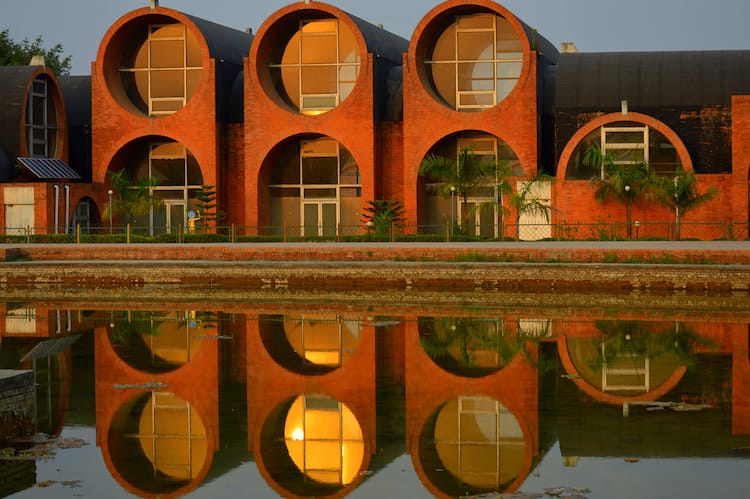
(324, 439)
(310, 344)
(480, 442)
(474, 403)
(157, 442)
(471, 346)
(158, 341)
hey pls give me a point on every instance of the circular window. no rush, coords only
(475, 62)
(318, 66)
(154, 65)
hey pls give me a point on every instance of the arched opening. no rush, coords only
(314, 188)
(465, 198)
(159, 181)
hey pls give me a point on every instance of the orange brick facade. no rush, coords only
(390, 120)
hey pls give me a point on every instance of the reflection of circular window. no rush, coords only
(158, 442)
(318, 67)
(310, 344)
(313, 445)
(324, 440)
(158, 65)
(154, 342)
(475, 62)
(469, 346)
(472, 445)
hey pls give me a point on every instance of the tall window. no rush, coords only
(315, 187)
(161, 72)
(476, 62)
(41, 120)
(319, 66)
(177, 178)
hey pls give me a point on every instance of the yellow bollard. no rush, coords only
(127, 232)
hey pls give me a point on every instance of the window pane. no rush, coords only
(194, 174)
(349, 169)
(319, 49)
(319, 80)
(167, 54)
(319, 147)
(320, 26)
(445, 48)
(193, 49)
(320, 171)
(166, 106)
(38, 105)
(473, 46)
(168, 171)
(477, 100)
(167, 31)
(476, 76)
(475, 21)
(624, 137)
(193, 80)
(626, 155)
(320, 193)
(348, 50)
(509, 69)
(167, 150)
(168, 83)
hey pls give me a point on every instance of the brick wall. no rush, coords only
(16, 404)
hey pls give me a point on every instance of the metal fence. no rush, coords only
(600, 231)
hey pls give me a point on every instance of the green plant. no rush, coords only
(681, 194)
(626, 183)
(206, 207)
(381, 214)
(132, 199)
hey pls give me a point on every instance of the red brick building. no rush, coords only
(299, 128)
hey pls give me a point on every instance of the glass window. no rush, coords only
(483, 54)
(165, 70)
(318, 67)
(329, 185)
(41, 120)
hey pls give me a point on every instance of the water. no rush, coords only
(301, 399)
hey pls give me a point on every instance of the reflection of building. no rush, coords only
(470, 435)
(157, 400)
(311, 409)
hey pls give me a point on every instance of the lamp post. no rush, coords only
(109, 193)
(627, 210)
(453, 206)
(637, 227)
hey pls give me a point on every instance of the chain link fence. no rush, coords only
(600, 231)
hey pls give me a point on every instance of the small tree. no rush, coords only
(381, 214)
(207, 207)
(625, 183)
(131, 199)
(681, 195)
(464, 174)
(527, 199)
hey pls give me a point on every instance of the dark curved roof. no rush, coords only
(236, 101)
(6, 166)
(651, 79)
(382, 43)
(14, 81)
(76, 92)
(225, 43)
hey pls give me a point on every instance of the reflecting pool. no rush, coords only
(329, 399)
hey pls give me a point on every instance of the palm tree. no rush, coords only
(625, 183)
(132, 199)
(465, 174)
(681, 195)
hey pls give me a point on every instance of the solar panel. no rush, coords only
(49, 169)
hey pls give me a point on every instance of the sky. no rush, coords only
(593, 25)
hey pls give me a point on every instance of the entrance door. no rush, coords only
(19, 209)
(320, 218)
(175, 214)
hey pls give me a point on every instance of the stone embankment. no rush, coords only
(163, 271)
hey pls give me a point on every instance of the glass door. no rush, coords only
(320, 218)
(175, 209)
